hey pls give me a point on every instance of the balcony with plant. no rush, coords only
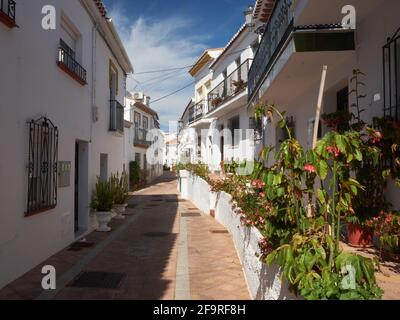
(232, 86)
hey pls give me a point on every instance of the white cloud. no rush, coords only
(161, 44)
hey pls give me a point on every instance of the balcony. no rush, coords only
(116, 117)
(197, 111)
(69, 65)
(232, 86)
(143, 138)
(280, 25)
(7, 13)
(287, 49)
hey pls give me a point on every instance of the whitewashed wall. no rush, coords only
(31, 86)
(264, 282)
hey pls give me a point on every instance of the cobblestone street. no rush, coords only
(164, 249)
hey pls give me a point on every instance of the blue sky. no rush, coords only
(162, 34)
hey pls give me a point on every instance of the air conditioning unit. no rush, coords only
(138, 96)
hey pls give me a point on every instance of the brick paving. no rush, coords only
(144, 247)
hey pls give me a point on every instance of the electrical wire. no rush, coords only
(179, 68)
(173, 93)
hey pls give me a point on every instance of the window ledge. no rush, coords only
(7, 20)
(73, 75)
(39, 211)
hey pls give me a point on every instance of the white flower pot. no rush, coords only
(120, 210)
(103, 218)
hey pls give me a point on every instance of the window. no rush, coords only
(238, 64)
(138, 159)
(391, 73)
(113, 78)
(233, 125)
(7, 13)
(145, 123)
(342, 99)
(144, 162)
(138, 119)
(42, 166)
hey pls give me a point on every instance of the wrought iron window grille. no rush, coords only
(42, 166)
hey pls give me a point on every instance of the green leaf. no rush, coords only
(322, 168)
(341, 144)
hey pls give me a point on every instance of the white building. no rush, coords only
(170, 149)
(219, 109)
(144, 139)
(61, 111)
(300, 38)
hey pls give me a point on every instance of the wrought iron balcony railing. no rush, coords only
(233, 85)
(116, 116)
(68, 63)
(276, 32)
(197, 111)
(142, 138)
(7, 12)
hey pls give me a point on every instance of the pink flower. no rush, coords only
(309, 168)
(262, 194)
(333, 150)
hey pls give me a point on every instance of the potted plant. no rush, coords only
(103, 203)
(215, 102)
(387, 228)
(120, 187)
(239, 85)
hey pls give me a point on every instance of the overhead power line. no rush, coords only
(175, 92)
(180, 68)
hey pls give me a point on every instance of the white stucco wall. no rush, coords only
(264, 282)
(31, 86)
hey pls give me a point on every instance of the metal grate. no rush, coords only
(157, 234)
(391, 83)
(190, 214)
(77, 246)
(99, 280)
(42, 166)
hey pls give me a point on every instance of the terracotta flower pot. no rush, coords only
(359, 236)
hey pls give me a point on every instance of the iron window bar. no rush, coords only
(142, 137)
(234, 84)
(7, 12)
(116, 116)
(391, 96)
(67, 62)
(197, 111)
(42, 166)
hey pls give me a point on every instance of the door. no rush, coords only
(222, 143)
(81, 183)
(76, 220)
(104, 167)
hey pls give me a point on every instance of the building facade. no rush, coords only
(144, 139)
(61, 110)
(303, 36)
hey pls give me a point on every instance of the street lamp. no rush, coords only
(249, 16)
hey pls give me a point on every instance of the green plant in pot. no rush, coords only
(103, 203)
(120, 188)
(371, 200)
(387, 227)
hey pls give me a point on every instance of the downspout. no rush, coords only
(94, 73)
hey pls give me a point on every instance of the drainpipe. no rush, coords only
(94, 73)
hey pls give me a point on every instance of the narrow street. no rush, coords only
(164, 249)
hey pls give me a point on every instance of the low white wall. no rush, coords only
(263, 281)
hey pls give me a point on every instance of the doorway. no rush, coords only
(104, 167)
(222, 142)
(81, 193)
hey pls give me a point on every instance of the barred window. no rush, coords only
(42, 166)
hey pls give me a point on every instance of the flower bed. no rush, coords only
(264, 282)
